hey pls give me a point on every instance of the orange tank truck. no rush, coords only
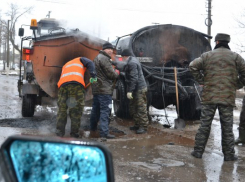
(50, 47)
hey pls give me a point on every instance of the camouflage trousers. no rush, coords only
(242, 116)
(138, 108)
(70, 99)
(226, 121)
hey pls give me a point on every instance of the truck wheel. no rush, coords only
(120, 104)
(28, 105)
(197, 115)
(188, 109)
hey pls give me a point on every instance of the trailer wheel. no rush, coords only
(28, 105)
(197, 115)
(120, 104)
(188, 109)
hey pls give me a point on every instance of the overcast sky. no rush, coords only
(108, 19)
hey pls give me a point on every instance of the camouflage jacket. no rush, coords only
(106, 74)
(218, 72)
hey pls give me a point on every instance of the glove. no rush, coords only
(129, 95)
(93, 80)
(122, 74)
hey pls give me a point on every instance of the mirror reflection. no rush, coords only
(53, 162)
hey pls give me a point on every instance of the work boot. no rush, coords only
(141, 131)
(230, 158)
(238, 140)
(196, 154)
(134, 128)
(241, 137)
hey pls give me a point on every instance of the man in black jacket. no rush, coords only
(136, 92)
(102, 91)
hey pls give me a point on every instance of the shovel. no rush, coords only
(86, 86)
(178, 123)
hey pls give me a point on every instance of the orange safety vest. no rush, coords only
(73, 70)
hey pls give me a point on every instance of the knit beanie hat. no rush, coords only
(126, 52)
(107, 45)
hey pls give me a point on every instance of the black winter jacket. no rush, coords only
(134, 75)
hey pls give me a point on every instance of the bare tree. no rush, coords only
(241, 25)
(14, 14)
(3, 37)
(1, 41)
(7, 28)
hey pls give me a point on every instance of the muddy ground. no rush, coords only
(163, 154)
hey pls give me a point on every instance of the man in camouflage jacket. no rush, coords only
(102, 91)
(218, 71)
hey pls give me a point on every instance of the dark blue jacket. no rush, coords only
(89, 65)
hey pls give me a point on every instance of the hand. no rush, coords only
(93, 80)
(129, 95)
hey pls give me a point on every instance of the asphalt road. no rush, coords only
(163, 154)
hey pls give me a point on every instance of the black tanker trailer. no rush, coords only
(160, 48)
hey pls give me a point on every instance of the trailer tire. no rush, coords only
(188, 109)
(120, 105)
(28, 105)
(197, 115)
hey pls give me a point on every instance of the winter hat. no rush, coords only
(107, 45)
(222, 37)
(126, 52)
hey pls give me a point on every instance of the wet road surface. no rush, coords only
(163, 154)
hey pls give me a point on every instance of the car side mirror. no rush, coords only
(42, 159)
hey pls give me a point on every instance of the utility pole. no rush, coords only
(13, 58)
(208, 20)
(4, 55)
(8, 48)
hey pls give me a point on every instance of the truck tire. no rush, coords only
(120, 105)
(188, 109)
(28, 105)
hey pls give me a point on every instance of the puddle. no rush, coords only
(157, 164)
(168, 162)
(143, 147)
(155, 167)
